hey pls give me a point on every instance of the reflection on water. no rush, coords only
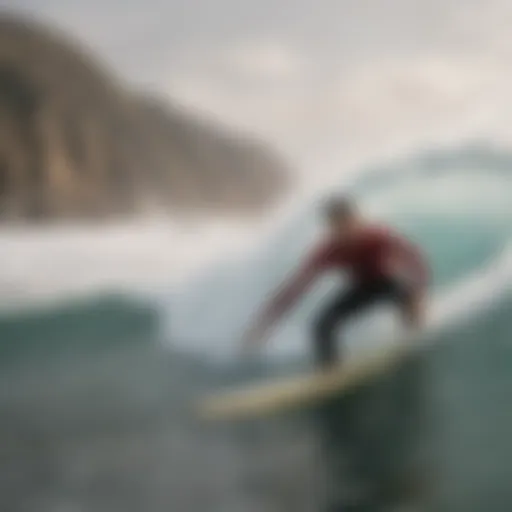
(110, 432)
(373, 440)
(364, 451)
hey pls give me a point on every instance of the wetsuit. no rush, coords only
(381, 265)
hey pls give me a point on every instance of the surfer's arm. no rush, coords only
(290, 292)
(286, 296)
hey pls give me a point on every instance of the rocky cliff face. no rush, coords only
(76, 143)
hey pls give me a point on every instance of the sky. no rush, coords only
(322, 80)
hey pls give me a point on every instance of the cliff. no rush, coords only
(75, 142)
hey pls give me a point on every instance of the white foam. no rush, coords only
(53, 263)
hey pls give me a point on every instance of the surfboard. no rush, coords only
(289, 393)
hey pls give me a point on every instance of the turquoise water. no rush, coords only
(94, 396)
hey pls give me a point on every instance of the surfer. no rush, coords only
(383, 266)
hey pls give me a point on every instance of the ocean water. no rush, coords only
(95, 394)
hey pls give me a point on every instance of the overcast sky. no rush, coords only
(309, 75)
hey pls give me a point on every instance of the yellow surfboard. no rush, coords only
(285, 394)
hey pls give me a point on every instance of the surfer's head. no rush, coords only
(342, 216)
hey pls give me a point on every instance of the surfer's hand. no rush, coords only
(254, 337)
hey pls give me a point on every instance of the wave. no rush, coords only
(81, 326)
(454, 203)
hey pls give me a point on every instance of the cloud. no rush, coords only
(362, 104)
(263, 60)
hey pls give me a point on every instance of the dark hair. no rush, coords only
(339, 207)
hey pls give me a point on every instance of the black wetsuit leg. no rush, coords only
(357, 298)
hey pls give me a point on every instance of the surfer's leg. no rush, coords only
(334, 315)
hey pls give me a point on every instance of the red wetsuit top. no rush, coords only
(371, 256)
